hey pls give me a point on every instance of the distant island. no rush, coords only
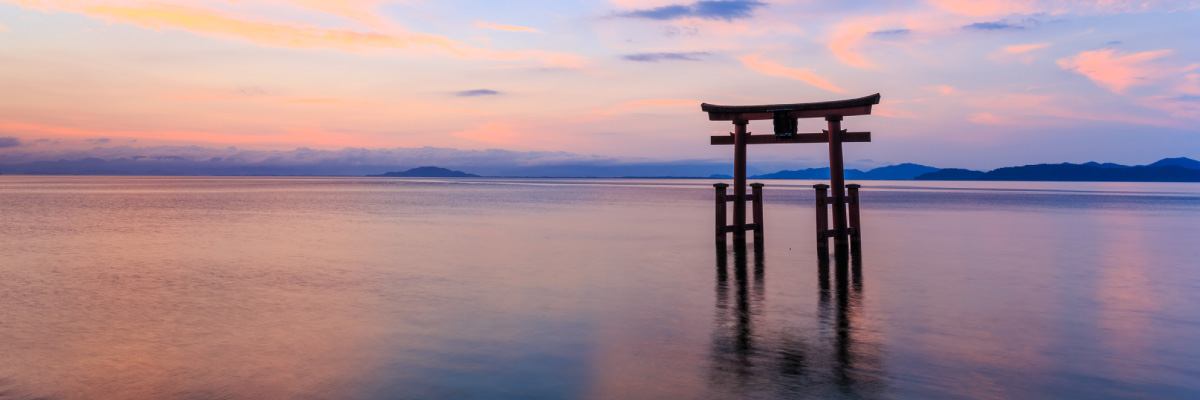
(427, 172)
(1181, 169)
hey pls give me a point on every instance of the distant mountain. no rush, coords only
(811, 173)
(1104, 165)
(897, 172)
(891, 172)
(1079, 172)
(1178, 162)
(951, 174)
(427, 172)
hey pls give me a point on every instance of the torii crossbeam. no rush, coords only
(785, 120)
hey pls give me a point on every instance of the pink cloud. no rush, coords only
(1190, 84)
(1175, 106)
(664, 103)
(988, 118)
(991, 8)
(506, 28)
(1019, 52)
(755, 62)
(845, 42)
(1118, 72)
(1025, 48)
(943, 89)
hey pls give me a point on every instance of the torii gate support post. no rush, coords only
(837, 178)
(822, 221)
(756, 196)
(739, 179)
(721, 219)
(855, 221)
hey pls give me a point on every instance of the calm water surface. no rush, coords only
(343, 288)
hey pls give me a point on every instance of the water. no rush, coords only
(339, 288)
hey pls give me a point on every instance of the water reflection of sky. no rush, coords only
(368, 288)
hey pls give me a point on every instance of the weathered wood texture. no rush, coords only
(855, 228)
(721, 218)
(822, 221)
(837, 178)
(739, 178)
(757, 189)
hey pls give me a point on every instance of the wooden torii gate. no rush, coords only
(785, 120)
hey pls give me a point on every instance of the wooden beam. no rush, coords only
(797, 138)
(823, 109)
(754, 116)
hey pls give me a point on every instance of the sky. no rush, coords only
(974, 84)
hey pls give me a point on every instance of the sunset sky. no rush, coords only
(974, 84)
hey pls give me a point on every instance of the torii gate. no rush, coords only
(785, 119)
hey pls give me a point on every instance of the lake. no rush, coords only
(366, 288)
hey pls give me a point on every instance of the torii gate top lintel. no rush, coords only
(845, 108)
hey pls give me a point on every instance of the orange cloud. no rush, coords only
(359, 10)
(219, 23)
(4, 28)
(494, 133)
(1119, 72)
(170, 135)
(507, 28)
(755, 62)
(844, 45)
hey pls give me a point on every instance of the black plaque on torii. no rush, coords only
(784, 117)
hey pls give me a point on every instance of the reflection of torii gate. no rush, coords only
(785, 116)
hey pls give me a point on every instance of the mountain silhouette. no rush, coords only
(427, 172)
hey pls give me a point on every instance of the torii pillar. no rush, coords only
(785, 118)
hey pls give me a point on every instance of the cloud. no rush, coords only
(307, 156)
(984, 8)
(891, 33)
(4, 28)
(506, 28)
(727, 10)
(494, 133)
(658, 103)
(1118, 72)
(943, 89)
(9, 141)
(1024, 48)
(477, 92)
(755, 62)
(656, 57)
(1185, 106)
(214, 21)
(988, 118)
(993, 26)
(1019, 52)
(99, 140)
